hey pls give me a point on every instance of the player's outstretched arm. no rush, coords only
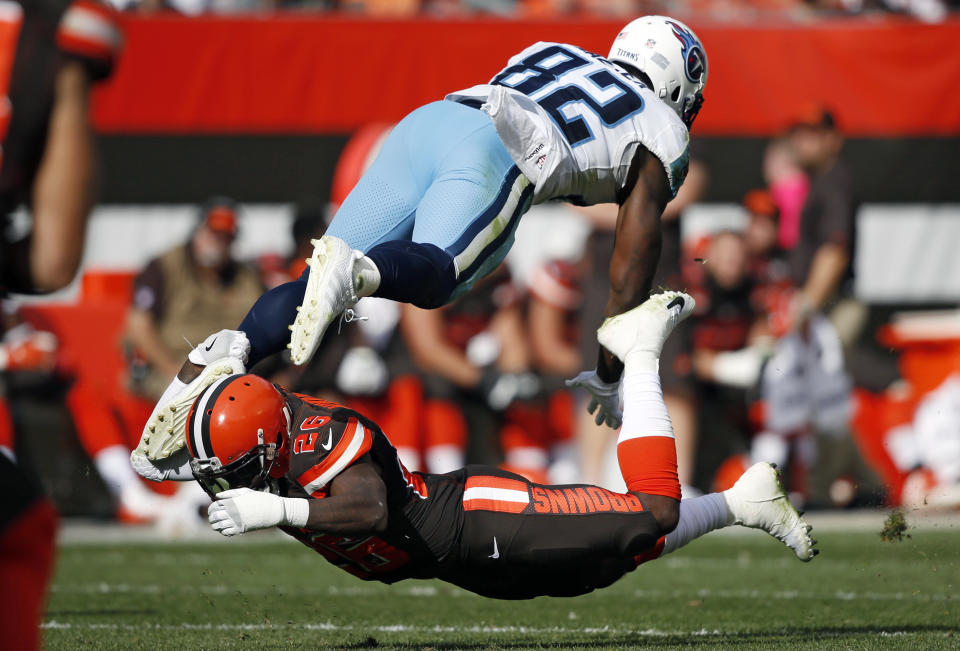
(637, 246)
(635, 254)
(357, 505)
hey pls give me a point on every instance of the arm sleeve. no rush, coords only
(837, 215)
(90, 33)
(148, 290)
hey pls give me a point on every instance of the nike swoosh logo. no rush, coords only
(329, 444)
(496, 552)
(678, 301)
(207, 348)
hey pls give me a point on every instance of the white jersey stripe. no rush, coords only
(202, 452)
(494, 229)
(497, 494)
(338, 466)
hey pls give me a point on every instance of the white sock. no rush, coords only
(444, 458)
(366, 276)
(644, 413)
(113, 464)
(698, 516)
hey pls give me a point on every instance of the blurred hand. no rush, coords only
(604, 398)
(362, 372)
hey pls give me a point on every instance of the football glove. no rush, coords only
(604, 397)
(240, 510)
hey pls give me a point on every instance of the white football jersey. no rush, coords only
(572, 121)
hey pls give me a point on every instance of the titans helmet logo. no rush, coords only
(694, 59)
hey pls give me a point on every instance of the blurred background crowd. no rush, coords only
(798, 352)
(721, 10)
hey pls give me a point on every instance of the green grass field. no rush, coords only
(740, 591)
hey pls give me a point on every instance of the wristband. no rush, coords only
(296, 511)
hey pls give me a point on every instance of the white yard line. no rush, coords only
(431, 591)
(407, 628)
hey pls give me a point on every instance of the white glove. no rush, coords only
(241, 509)
(226, 343)
(604, 397)
(176, 467)
(362, 372)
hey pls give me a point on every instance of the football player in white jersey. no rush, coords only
(438, 207)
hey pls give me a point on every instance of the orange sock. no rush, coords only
(649, 465)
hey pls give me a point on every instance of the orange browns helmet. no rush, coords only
(235, 433)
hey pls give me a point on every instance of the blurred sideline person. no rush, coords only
(821, 263)
(183, 295)
(51, 51)
(475, 360)
(329, 477)
(438, 207)
(179, 296)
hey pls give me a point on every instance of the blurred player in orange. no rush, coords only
(51, 52)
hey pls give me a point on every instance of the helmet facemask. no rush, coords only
(251, 470)
(691, 109)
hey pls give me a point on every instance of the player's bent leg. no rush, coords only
(26, 561)
(757, 500)
(412, 272)
(476, 199)
(645, 447)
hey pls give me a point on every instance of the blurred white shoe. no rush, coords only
(331, 289)
(137, 504)
(181, 517)
(757, 500)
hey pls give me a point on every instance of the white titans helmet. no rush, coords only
(671, 55)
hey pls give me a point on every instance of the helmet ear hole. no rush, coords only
(675, 95)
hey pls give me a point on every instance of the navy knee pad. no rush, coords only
(266, 323)
(421, 274)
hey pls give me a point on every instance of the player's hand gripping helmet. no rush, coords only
(671, 55)
(235, 434)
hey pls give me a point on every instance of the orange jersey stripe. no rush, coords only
(489, 481)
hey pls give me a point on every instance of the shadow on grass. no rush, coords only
(600, 641)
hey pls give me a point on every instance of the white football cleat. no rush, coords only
(647, 326)
(225, 343)
(331, 289)
(165, 431)
(757, 500)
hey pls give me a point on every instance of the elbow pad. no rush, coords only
(89, 32)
